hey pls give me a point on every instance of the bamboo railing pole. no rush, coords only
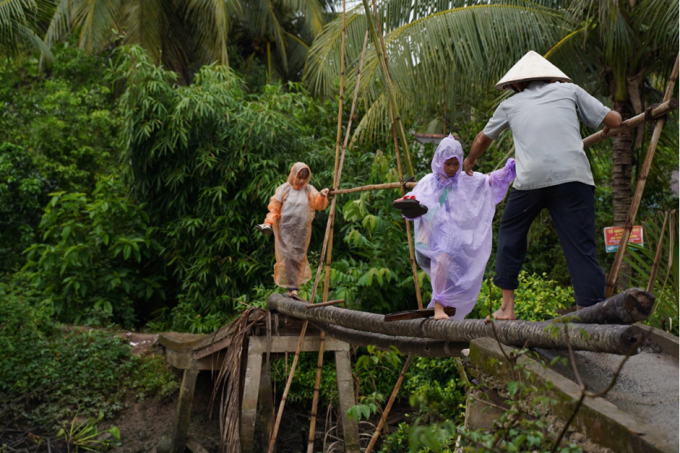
(387, 67)
(657, 256)
(639, 189)
(379, 45)
(329, 254)
(389, 185)
(388, 408)
(328, 234)
(660, 110)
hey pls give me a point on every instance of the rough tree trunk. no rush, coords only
(622, 157)
(585, 337)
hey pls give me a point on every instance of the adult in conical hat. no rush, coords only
(531, 67)
(553, 173)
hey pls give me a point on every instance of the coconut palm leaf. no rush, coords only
(20, 25)
(212, 20)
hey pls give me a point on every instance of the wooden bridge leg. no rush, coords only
(251, 390)
(182, 418)
(343, 367)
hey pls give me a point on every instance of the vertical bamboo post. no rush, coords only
(388, 408)
(327, 236)
(379, 44)
(657, 256)
(331, 220)
(639, 189)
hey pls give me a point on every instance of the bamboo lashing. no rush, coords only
(327, 239)
(639, 188)
(329, 254)
(388, 408)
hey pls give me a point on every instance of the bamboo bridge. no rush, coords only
(642, 408)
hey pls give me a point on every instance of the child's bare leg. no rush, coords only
(507, 310)
(439, 311)
(439, 283)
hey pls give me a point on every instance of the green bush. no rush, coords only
(48, 374)
(57, 132)
(92, 262)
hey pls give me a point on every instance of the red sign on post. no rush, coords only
(612, 237)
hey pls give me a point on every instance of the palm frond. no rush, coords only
(96, 19)
(311, 10)
(212, 20)
(144, 23)
(20, 23)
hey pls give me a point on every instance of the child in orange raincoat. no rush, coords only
(291, 211)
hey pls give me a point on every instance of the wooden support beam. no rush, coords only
(350, 429)
(598, 338)
(251, 390)
(183, 417)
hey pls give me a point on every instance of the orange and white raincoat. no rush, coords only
(291, 211)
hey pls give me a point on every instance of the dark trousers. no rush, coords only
(572, 208)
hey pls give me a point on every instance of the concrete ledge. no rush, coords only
(666, 341)
(600, 420)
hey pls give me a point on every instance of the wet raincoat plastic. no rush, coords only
(291, 211)
(453, 240)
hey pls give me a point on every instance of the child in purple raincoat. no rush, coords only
(453, 239)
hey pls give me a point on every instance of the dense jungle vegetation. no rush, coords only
(134, 165)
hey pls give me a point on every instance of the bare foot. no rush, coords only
(439, 311)
(503, 314)
(294, 295)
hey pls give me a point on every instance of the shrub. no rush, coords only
(49, 374)
(92, 262)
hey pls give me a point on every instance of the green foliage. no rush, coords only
(537, 299)
(49, 374)
(205, 159)
(92, 263)
(666, 286)
(57, 132)
(86, 436)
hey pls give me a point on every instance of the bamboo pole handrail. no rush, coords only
(640, 188)
(656, 112)
(385, 186)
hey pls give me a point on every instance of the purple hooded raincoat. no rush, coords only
(453, 240)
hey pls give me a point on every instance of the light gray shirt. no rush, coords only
(544, 120)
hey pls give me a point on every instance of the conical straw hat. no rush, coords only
(532, 66)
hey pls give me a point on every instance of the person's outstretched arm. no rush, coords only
(479, 147)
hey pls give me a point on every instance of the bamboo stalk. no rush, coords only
(639, 189)
(388, 80)
(379, 45)
(329, 255)
(389, 185)
(325, 304)
(327, 236)
(388, 408)
(657, 257)
(660, 110)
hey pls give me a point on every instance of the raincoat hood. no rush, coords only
(294, 170)
(448, 148)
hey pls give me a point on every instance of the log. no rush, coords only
(631, 306)
(421, 347)
(657, 112)
(417, 314)
(609, 338)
